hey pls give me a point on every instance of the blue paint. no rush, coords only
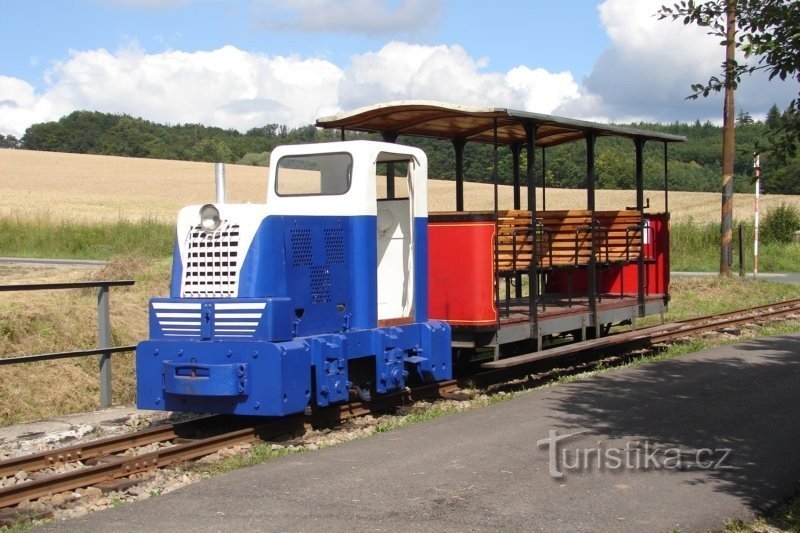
(177, 270)
(363, 272)
(194, 379)
(420, 269)
(263, 270)
(276, 376)
(203, 376)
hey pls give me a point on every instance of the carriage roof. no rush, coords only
(476, 124)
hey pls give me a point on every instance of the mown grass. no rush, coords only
(46, 238)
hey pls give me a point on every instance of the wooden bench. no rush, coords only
(561, 239)
(620, 236)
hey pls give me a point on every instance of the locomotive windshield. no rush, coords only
(317, 174)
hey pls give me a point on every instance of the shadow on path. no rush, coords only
(744, 397)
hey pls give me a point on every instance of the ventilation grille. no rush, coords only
(301, 247)
(177, 319)
(237, 319)
(320, 285)
(233, 320)
(212, 261)
(334, 246)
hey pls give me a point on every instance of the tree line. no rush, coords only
(693, 166)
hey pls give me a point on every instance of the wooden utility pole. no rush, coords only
(726, 227)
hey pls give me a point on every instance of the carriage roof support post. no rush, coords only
(666, 181)
(533, 271)
(516, 148)
(640, 273)
(389, 137)
(544, 177)
(458, 146)
(495, 186)
(591, 138)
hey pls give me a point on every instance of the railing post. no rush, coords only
(104, 341)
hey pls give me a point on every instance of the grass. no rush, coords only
(53, 321)
(694, 245)
(709, 295)
(258, 454)
(45, 237)
(695, 248)
(784, 517)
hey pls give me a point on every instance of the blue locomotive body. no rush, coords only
(276, 307)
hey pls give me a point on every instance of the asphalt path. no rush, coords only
(697, 440)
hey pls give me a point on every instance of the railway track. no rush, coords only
(106, 463)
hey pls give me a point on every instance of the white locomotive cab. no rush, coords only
(340, 179)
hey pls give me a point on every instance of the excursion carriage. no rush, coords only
(509, 274)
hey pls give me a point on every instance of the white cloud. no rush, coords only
(232, 88)
(226, 87)
(401, 71)
(649, 67)
(19, 106)
(370, 17)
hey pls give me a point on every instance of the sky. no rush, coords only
(247, 63)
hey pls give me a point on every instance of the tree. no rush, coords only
(128, 138)
(723, 17)
(213, 151)
(769, 31)
(743, 118)
(773, 117)
(9, 141)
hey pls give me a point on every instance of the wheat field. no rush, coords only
(80, 187)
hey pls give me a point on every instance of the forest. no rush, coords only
(693, 166)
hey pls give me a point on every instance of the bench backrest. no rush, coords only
(563, 238)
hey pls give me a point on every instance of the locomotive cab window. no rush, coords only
(399, 170)
(317, 174)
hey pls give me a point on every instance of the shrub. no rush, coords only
(256, 159)
(780, 223)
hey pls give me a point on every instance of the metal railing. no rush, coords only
(104, 349)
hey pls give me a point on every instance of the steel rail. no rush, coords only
(693, 329)
(122, 467)
(758, 308)
(100, 447)
(119, 467)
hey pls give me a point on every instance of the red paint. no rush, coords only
(624, 279)
(461, 272)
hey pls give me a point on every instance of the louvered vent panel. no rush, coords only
(212, 262)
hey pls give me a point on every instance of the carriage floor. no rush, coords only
(556, 306)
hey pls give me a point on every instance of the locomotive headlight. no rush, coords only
(209, 217)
